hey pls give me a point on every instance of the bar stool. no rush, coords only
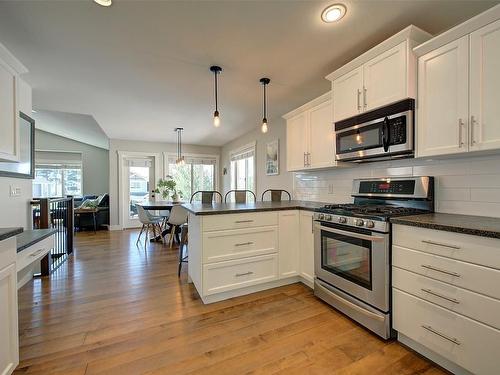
(276, 195)
(240, 196)
(207, 196)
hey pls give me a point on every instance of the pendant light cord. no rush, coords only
(265, 100)
(216, 101)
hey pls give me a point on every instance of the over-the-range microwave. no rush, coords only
(381, 134)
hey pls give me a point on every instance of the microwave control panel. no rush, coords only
(397, 129)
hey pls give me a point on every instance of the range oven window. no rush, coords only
(360, 139)
(348, 257)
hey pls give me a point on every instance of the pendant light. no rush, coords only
(265, 82)
(216, 70)
(180, 158)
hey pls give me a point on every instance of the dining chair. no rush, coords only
(207, 196)
(149, 222)
(178, 217)
(240, 196)
(276, 195)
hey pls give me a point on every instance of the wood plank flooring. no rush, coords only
(115, 308)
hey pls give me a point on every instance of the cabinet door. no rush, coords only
(9, 352)
(296, 142)
(289, 243)
(306, 257)
(385, 78)
(443, 96)
(485, 88)
(9, 141)
(321, 136)
(347, 92)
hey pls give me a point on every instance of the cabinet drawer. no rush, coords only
(474, 249)
(471, 345)
(465, 275)
(239, 243)
(34, 252)
(239, 221)
(476, 306)
(234, 274)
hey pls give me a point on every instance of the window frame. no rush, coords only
(173, 155)
(63, 167)
(249, 147)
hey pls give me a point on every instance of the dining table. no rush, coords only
(158, 205)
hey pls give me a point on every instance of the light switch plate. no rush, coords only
(15, 191)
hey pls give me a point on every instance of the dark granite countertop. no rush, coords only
(233, 208)
(9, 232)
(474, 225)
(31, 237)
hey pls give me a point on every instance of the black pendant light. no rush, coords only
(180, 158)
(264, 82)
(216, 70)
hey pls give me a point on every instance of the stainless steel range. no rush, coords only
(352, 247)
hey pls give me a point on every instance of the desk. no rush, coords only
(86, 211)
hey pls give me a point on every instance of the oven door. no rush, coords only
(355, 261)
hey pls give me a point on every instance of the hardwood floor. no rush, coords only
(115, 308)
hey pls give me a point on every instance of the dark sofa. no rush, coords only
(83, 221)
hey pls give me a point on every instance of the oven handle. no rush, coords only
(352, 234)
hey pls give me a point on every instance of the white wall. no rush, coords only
(466, 185)
(277, 130)
(116, 145)
(15, 211)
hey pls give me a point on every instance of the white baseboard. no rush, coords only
(115, 227)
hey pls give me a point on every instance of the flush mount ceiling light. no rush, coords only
(333, 13)
(216, 70)
(180, 158)
(104, 3)
(264, 82)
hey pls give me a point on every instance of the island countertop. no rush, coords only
(466, 224)
(9, 232)
(31, 237)
(233, 208)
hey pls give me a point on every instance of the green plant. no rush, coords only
(167, 187)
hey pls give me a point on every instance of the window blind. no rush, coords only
(56, 159)
(193, 160)
(243, 154)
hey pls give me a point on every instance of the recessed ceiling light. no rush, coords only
(333, 13)
(104, 3)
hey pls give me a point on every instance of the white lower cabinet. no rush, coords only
(9, 347)
(289, 243)
(446, 301)
(306, 258)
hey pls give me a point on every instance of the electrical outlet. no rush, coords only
(15, 191)
(330, 188)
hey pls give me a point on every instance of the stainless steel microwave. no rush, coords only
(381, 134)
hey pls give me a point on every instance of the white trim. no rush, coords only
(115, 227)
(251, 145)
(121, 197)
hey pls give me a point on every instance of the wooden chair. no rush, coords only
(207, 196)
(276, 195)
(240, 196)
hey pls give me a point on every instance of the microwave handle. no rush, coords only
(386, 133)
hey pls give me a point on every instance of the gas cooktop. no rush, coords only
(373, 211)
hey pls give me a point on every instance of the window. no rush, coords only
(57, 174)
(56, 180)
(198, 173)
(243, 168)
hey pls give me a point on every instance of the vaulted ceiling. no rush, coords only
(141, 68)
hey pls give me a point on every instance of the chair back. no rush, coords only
(276, 195)
(178, 215)
(240, 196)
(144, 216)
(207, 196)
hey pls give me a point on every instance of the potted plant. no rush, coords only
(167, 188)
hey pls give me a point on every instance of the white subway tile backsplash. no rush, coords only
(466, 185)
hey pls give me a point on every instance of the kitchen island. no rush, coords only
(237, 249)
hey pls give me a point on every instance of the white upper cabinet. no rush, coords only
(459, 88)
(383, 75)
(385, 78)
(443, 95)
(485, 88)
(348, 91)
(10, 69)
(310, 137)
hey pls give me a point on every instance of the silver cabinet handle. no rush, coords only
(243, 244)
(440, 296)
(308, 159)
(365, 104)
(359, 99)
(472, 123)
(244, 274)
(36, 253)
(446, 337)
(305, 159)
(432, 268)
(243, 221)
(461, 124)
(441, 244)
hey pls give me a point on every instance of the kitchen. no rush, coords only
(391, 224)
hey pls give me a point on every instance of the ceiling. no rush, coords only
(141, 68)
